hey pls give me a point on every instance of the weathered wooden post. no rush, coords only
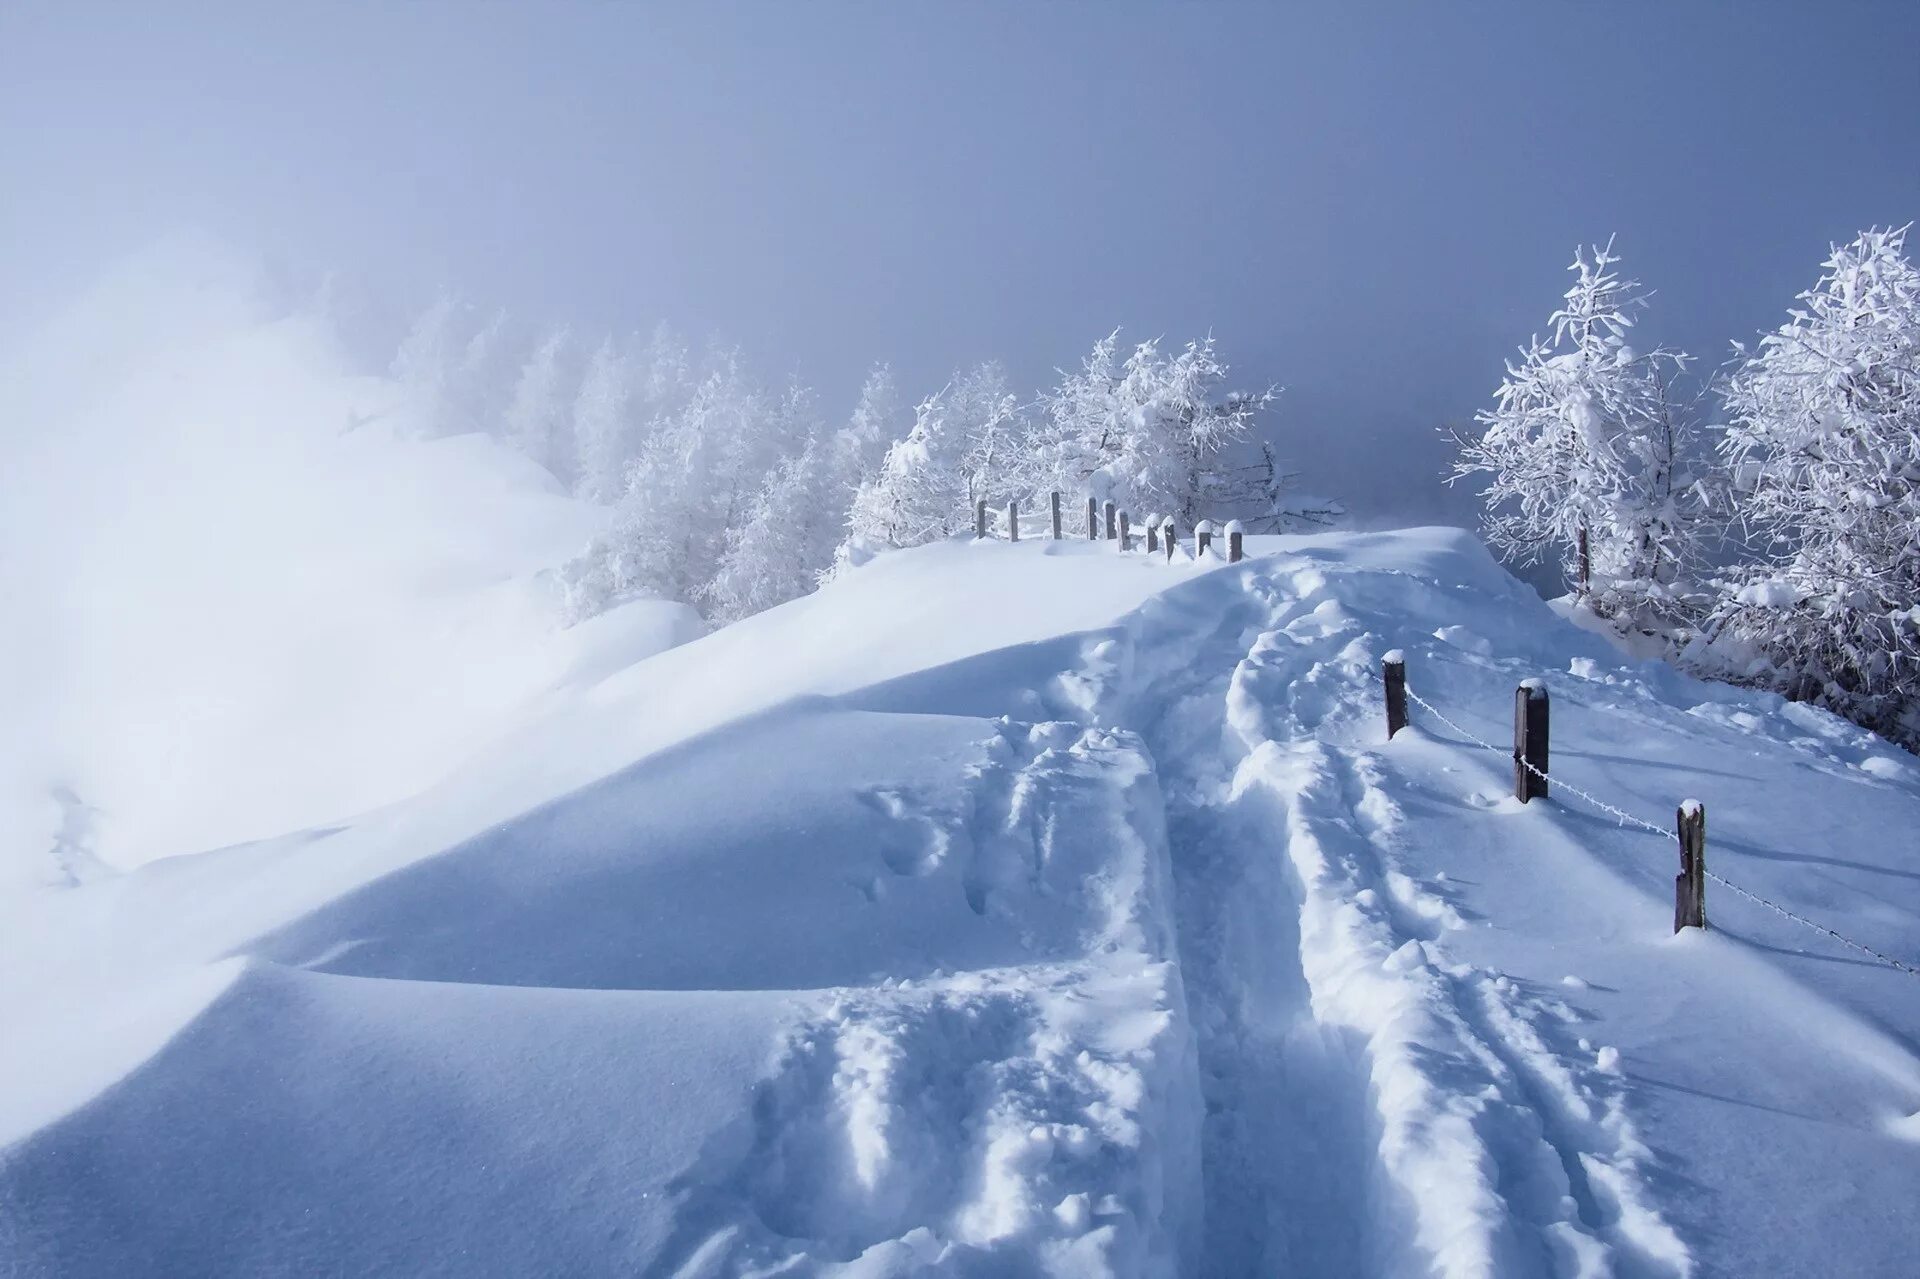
(980, 518)
(1202, 538)
(1093, 519)
(1530, 740)
(1235, 531)
(1690, 885)
(1113, 529)
(1126, 533)
(1153, 534)
(1056, 515)
(1013, 520)
(1393, 674)
(1166, 536)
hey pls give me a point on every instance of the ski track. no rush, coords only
(1371, 1106)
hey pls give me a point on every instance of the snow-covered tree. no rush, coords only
(787, 539)
(872, 427)
(968, 443)
(1823, 444)
(425, 363)
(477, 386)
(998, 458)
(918, 494)
(1158, 431)
(688, 492)
(536, 414)
(1583, 452)
(603, 427)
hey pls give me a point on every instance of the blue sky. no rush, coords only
(1371, 204)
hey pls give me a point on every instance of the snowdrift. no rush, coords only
(1013, 909)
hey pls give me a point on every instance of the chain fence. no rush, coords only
(1638, 823)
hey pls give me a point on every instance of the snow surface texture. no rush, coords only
(1013, 909)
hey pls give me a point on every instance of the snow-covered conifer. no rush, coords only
(536, 413)
(425, 363)
(603, 428)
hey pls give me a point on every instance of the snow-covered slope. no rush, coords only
(1013, 909)
(248, 594)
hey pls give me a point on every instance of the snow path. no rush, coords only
(1025, 910)
(1371, 1107)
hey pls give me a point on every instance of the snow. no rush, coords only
(1012, 909)
(260, 600)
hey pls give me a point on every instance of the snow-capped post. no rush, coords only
(1013, 520)
(1126, 532)
(1202, 538)
(1235, 531)
(1112, 529)
(1153, 534)
(1056, 515)
(1530, 740)
(1393, 673)
(1093, 519)
(1166, 535)
(1690, 885)
(980, 518)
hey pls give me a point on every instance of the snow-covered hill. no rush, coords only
(1014, 909)
(249, 593)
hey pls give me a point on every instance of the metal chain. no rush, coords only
(1628, 819)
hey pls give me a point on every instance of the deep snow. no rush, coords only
(1013, 909)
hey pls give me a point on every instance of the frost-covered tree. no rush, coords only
(603, 426)
(425, 363)
(1159, 431)
(1823, 444)
(798, 519)
(477, 386)
(873, 426)
(998, 457)
(786, 540)
(535, 418)
(688, 492)
(919, 493)
(969, 442)
(1583, 451)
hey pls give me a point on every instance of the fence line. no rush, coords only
(1009, 521)
(1628, 819)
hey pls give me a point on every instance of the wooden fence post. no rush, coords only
(1093, 519)
(1153, 534)
(1202, 538)
(980, 518)
(1530, 740)
(1234, 533)
(1056, 515)
(1113, 530)
(1690, 885)
(1126, 533)
(1013, 521)
(1393, 673)
(1167, 536)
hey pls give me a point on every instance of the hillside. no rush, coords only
(1015, 909)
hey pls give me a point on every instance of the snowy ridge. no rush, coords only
(1012, 909)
